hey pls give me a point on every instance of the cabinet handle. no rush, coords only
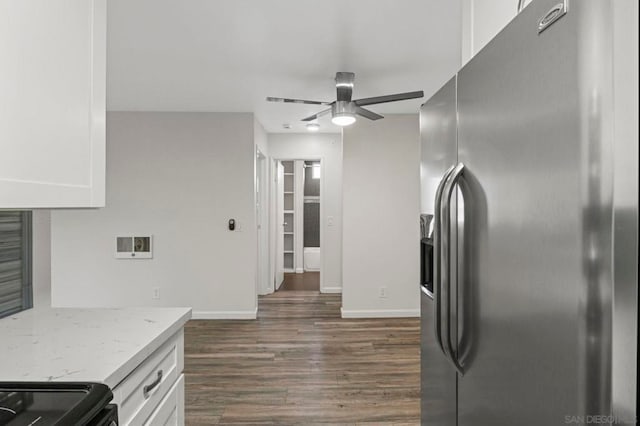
(148, 388)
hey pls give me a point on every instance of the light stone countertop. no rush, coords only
(83, 345)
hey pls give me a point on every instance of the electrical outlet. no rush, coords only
(382, 292)
(156, 293)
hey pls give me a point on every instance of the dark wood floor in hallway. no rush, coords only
(301, 364)
(307, 281)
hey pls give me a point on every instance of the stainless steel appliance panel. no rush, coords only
(625, 202)
(534, 137)
(438, 378)
(438, 142)
(438, 154)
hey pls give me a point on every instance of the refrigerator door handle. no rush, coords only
(437, 260)
(445, 213)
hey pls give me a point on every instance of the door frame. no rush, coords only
(261, 204)
(273, 217)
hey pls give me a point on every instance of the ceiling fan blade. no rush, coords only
(389, 98)
(296, 101)
(344, 85)
(314, 116)
(368, 114)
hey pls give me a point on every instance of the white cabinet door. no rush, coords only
(170, 411)
(482, 20)
(52, 103)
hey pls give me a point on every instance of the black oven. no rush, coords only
(426, 263)
(426, 251)
(56, 403)
(108, 416)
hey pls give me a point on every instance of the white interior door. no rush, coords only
(279, 275)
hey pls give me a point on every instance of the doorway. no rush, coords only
(298, 200)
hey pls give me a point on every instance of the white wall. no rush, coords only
(328, 148)
(179, 177)
(41, 252)
(381, 209)
(260, 137)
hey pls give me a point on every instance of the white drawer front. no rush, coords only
(170, 412)
(140, 392)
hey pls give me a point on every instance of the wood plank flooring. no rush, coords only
(307, 281)
(301, 364)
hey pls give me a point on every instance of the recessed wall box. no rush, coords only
(128, 247)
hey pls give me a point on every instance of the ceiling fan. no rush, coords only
(344, 110)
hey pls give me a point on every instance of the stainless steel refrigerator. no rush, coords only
(532, 314)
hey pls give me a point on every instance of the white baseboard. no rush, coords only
(299, 271)
(330, 289)
(219, 315)
(380, 313)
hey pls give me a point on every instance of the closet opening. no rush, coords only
(299, 209)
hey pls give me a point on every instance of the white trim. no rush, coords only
(381, 313)
(323, 241)
(330, 289)
(214, 315)
(298, 216)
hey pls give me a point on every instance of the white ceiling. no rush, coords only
(228, 55)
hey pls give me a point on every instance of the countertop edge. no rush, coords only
(127, 368)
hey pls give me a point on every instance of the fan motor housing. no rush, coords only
(343, 108)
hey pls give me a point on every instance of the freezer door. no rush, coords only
(535, 138)
(438, 154)
(438, 142)
(438, 377)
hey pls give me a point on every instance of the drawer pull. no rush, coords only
(148, 388)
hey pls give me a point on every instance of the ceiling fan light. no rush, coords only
(343, 119)
(313, 127)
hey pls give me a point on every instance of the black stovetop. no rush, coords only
(40, 404)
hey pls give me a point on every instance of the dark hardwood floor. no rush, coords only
(307, 281)
(301, 364)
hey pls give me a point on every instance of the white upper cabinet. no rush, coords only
(482, 20)
(52, 103)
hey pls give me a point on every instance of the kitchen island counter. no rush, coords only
(83, 345)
